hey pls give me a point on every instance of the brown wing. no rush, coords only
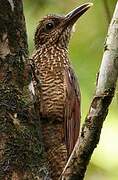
(72, 110)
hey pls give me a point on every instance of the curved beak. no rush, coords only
(74, 15)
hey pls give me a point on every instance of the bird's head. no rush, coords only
(54, 29)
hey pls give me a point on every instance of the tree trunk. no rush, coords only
(21, 148)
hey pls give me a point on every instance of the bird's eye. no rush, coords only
(49, 26)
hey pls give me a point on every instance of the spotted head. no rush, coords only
(55, 29)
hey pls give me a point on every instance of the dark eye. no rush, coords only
(49, 26)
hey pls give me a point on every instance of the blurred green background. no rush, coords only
(86, 50)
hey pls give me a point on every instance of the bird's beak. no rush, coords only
(74, 15)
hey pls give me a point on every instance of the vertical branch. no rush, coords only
(21, 148)
(91, 130)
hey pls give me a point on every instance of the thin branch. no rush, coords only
(91, 130)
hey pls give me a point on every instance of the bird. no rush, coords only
(57, 88)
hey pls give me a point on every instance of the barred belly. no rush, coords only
(52, 97)
(52, 109)
(50, 72)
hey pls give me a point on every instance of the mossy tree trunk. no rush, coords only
(21, 149)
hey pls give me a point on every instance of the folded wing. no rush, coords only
(72, 110)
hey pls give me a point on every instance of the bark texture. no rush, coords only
(105, 87)
(21, 148)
